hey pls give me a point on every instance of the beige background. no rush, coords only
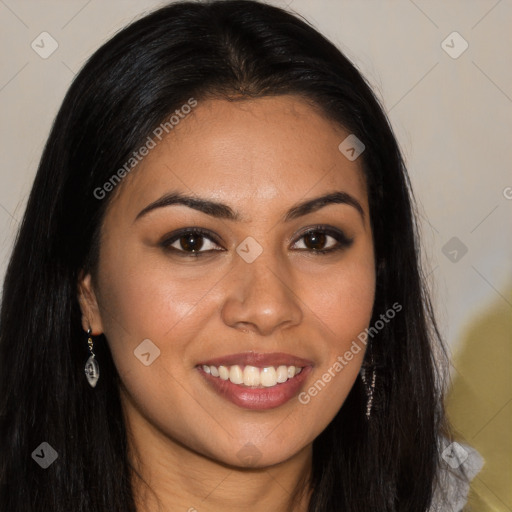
(452, 117)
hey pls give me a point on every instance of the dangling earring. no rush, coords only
(92, 369)
(370, 388)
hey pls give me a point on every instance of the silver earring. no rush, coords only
(92, 369)
(370, 388)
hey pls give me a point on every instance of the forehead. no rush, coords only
(266, 153)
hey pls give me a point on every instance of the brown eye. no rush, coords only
(322, 240)
(315, 240)
(191, 242)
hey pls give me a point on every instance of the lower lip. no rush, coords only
(257, 398)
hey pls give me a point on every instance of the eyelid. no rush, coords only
(170, 238)
(327, 230)
(343, 241)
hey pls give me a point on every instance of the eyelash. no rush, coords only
(342, 240)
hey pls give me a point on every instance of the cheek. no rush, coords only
(141, 297)
(343, 299)
(341, 306)
(142, 301)
(346, 304)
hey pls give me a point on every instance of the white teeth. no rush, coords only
(268, 377)
(282, 374)
(223, 372)
(252, 376)
(235, 375)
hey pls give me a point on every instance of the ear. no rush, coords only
(91, 317)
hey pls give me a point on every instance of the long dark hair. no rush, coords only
(232, 50)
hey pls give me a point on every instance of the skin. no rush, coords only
(260, 157)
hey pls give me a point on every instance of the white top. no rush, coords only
(461, 464)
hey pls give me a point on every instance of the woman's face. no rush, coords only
(249, 289)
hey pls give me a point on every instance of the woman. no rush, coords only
(221, 232)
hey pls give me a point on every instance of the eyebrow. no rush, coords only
(223, 211)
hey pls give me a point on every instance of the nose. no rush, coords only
(261, 297)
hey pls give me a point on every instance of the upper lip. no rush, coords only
(258, 359)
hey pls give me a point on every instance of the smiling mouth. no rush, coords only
(253, 376)
(256, 381)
